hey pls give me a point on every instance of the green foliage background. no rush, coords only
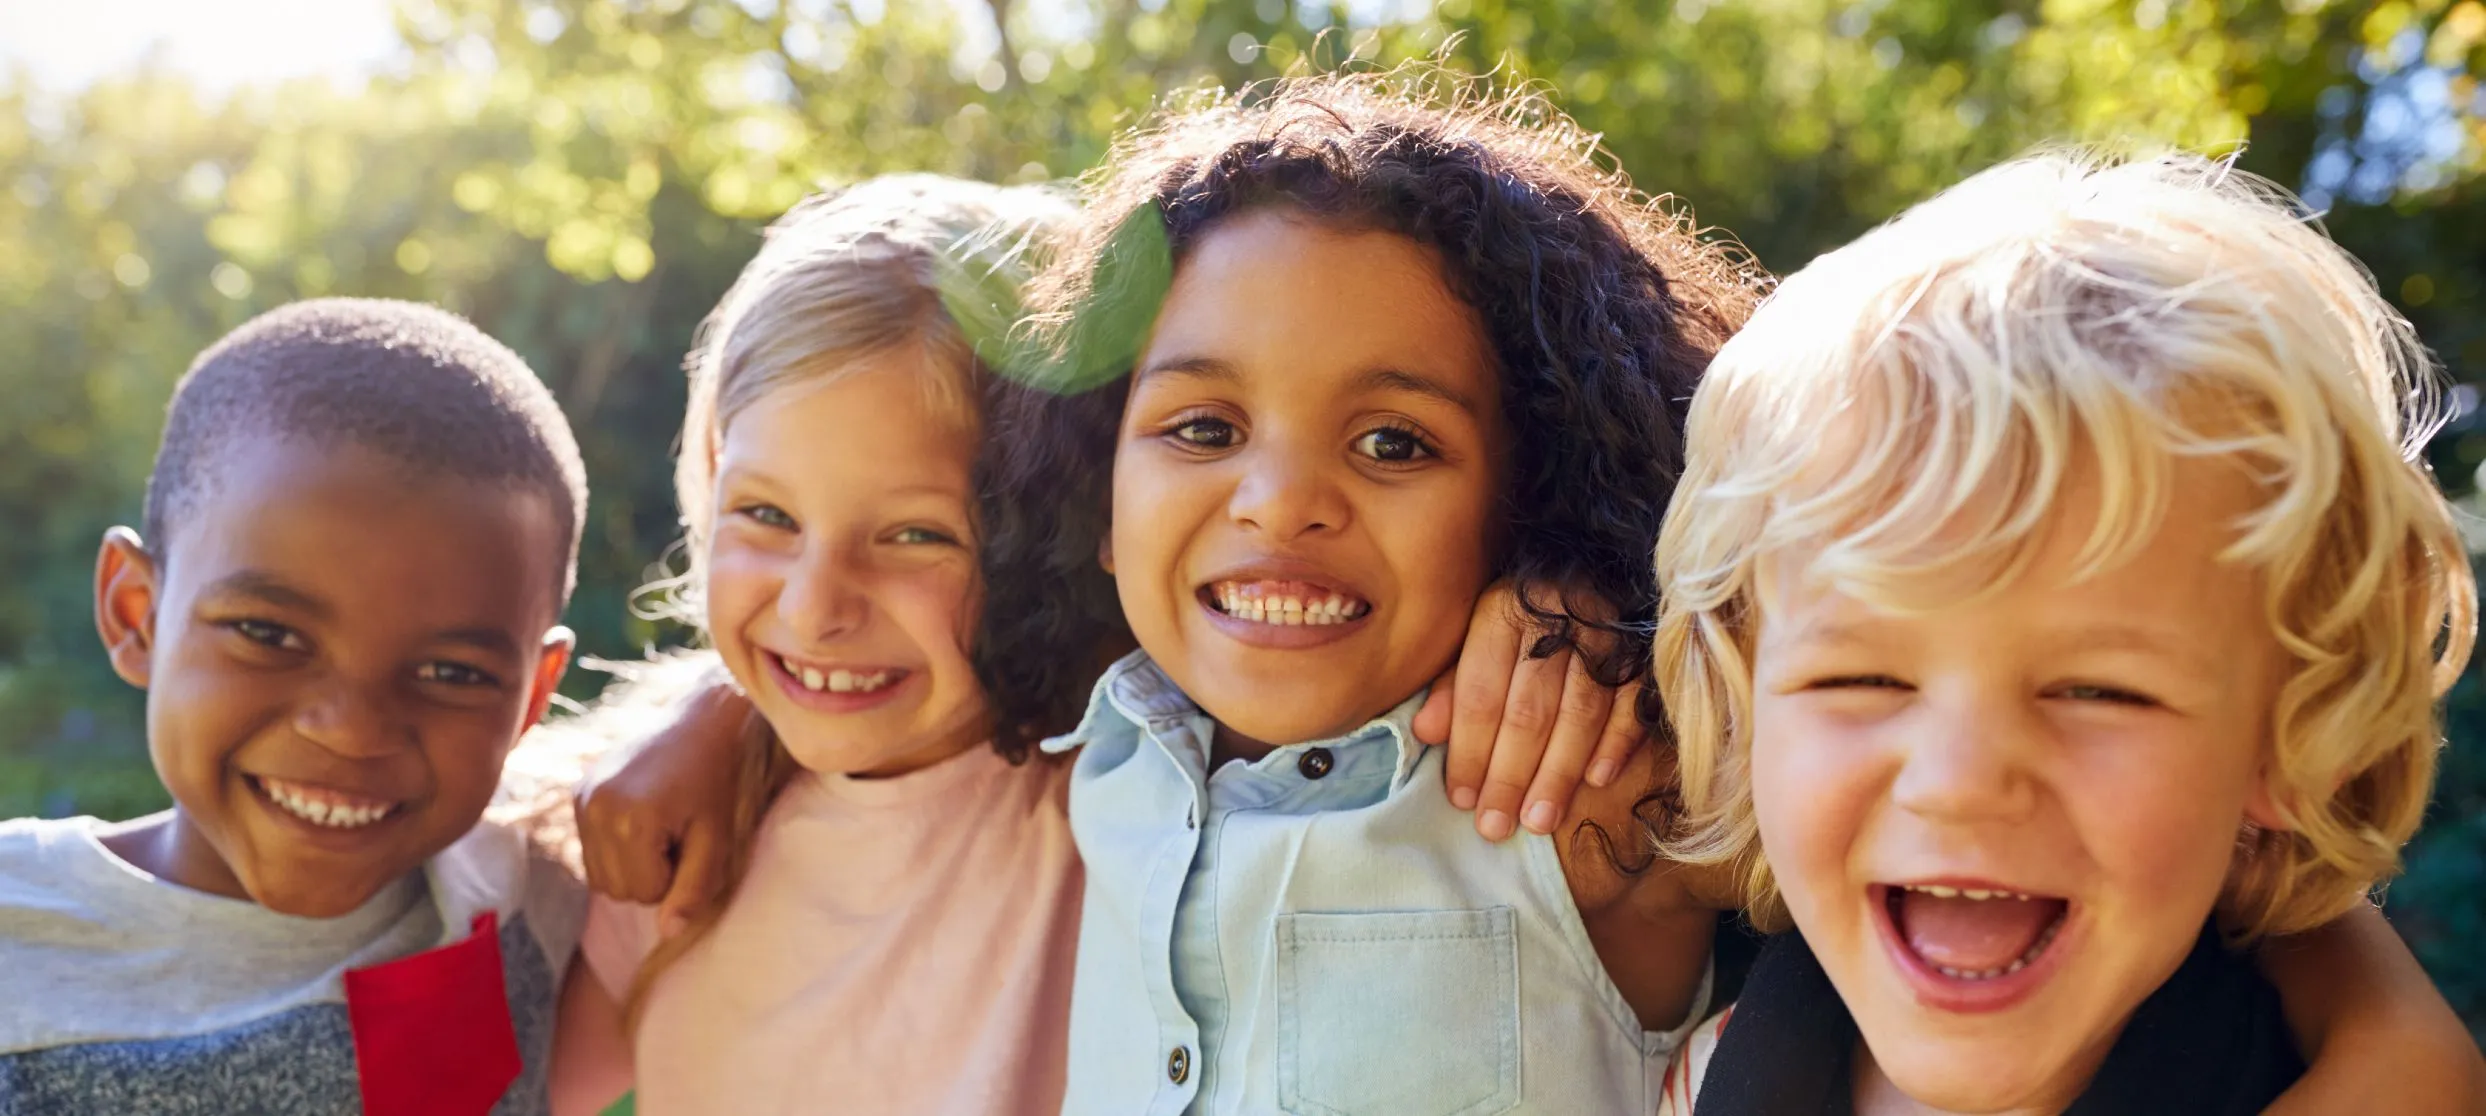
(584, 177)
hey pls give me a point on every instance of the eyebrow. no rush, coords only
(1198, 368)
(491, 641)
(763, 478)
(1376, 379)
(268, 588)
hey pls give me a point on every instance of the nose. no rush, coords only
(820, 600)
(1968, 760)
(1287, 491)
(353, 718)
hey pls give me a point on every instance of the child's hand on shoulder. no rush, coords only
(1524, 732)
(658, 829)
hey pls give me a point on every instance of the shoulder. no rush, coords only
(43, 860)
(495, 868)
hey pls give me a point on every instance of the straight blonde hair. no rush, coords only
(1912, 404)
(844, 277)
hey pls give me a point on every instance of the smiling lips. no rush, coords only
(1974, 934)
(323, 806)
(1292, 603)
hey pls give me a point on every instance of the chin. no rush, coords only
(1954, 1077)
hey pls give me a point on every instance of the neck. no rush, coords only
(1877, 1095)
(1227, 744)
(937, 752)
(170, 848)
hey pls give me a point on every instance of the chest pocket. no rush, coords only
(1398, 1014)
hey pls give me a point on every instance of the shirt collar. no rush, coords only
(1135, 692)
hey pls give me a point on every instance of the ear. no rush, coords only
(1105, 552)
(126, 588)
(558, 643)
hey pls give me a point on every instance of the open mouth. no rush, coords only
(838, 680)
(1974, 934)
(325, 807)
(1289, 603)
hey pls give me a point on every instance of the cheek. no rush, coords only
(741, 581)
(2159, 811)
(935, 608)
(1812, 786)
(1438, 541)
(202, 707)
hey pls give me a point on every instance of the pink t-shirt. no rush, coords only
(899, 946)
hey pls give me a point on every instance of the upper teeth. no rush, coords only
(837, 681)
(1247, 603)
(1940, 892)
(316, 808)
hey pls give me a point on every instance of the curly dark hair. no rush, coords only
(1602, 307)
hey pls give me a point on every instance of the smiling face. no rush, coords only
(2001, 825)
(841, 569)
(337, 658)
(1303, 495)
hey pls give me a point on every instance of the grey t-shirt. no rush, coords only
(122, 993)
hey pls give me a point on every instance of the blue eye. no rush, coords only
(767, 515)
(2083, 691)
(1393, 444)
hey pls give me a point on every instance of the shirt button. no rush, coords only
(1178, 1065)
(1316, 763)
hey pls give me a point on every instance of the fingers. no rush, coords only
(1481, 680)
(1529, 713)
(1584, 713)
(1432, 723)
(625, 857)
(1623, 735)
(698, 879)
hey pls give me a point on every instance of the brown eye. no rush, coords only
(454, 674)
(268, 634)
(1393, 444)
(1205, 433)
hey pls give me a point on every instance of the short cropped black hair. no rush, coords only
(415, 383)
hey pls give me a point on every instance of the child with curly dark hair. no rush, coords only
(1326, 362)
(1407, 346)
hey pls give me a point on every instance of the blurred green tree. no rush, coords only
(584, 177)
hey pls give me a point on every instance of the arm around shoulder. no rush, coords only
(2370, 1024)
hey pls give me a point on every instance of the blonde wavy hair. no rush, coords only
(1915, 402)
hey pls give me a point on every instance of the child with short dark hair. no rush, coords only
(361, 532)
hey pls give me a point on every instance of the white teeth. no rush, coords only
(835, 681)
(1973, 893)
(334, 815)
(1235, 601)
(1940, 892)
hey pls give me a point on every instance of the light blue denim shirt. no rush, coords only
(1321, 933)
